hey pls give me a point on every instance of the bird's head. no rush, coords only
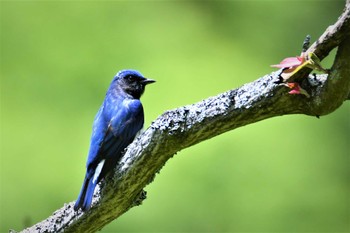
(132, 82)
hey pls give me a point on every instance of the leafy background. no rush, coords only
(286, 174)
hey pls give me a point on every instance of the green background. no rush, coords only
(285, 174)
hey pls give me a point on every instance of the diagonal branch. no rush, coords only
(177, 129)
(333, 35)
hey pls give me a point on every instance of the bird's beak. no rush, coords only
(148, 81)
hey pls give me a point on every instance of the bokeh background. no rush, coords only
(285, 174)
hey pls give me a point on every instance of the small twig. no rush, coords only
(306, 43)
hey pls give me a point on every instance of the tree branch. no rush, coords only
(177, 129)
(333, 35)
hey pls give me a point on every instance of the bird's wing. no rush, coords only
(111, 137)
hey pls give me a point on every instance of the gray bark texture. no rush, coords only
(177, 129)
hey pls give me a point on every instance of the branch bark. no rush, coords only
(185, 126)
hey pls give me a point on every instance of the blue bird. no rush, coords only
(115, 126)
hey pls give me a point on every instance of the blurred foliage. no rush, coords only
(286, 174)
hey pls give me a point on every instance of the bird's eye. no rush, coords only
(131, 78)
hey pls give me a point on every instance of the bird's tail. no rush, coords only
(85, 197)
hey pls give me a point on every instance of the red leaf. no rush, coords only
(295, 88)
(290, 62)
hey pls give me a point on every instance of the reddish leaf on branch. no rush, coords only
(290, 63)
(296, 89)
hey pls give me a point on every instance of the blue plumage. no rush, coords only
(116, 123)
